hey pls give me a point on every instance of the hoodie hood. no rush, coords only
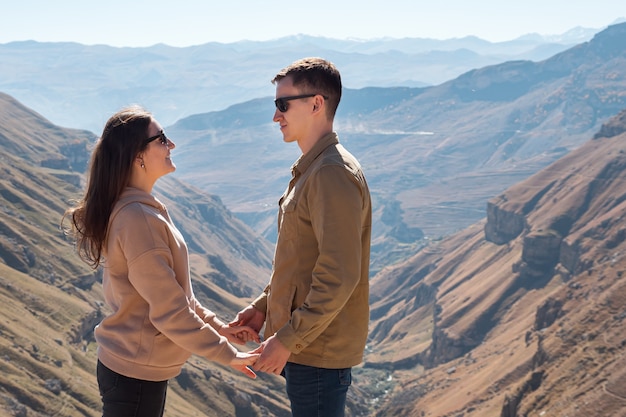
(135, 195)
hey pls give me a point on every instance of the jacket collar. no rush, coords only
(303, 163)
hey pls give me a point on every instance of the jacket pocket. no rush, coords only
(288, 227)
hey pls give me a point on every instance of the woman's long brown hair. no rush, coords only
(123, 138)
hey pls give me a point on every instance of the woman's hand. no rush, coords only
(249, 316)
(243, 361)
(239, 335)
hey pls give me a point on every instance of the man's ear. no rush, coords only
(318, 103)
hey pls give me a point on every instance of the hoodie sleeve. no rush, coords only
(158, 270)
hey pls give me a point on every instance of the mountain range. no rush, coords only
(433, 155)
(75, 85)
(498, 257)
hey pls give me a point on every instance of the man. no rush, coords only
(316, 306)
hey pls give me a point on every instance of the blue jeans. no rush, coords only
(317, 392)
(129, 397)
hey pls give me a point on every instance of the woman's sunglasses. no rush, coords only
(282, 102)
(161, 137)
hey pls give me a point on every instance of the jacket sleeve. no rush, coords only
(335, 204)
(260, 303)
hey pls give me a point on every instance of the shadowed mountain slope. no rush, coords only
(522, 313)
(50, 300)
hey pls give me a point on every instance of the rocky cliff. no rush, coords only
(50, 300)
(527, 307)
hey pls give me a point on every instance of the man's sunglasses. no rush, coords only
(161, 137)
(282, 102)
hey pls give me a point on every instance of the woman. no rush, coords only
(156, 323)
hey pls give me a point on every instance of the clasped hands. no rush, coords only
(270, 356)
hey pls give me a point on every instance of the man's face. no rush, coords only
(294, 119)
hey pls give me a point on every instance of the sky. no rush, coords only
(192, 22)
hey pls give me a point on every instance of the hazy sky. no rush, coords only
(193, 22)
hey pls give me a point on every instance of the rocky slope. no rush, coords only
(521, 314)
(50, 300)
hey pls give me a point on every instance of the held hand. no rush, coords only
(239, 335)
(243, 361)
(274, 356)
(250, 317)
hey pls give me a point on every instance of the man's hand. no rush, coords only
(250, 317)
(274, 356)
(239, 335)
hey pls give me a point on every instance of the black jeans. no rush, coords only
(129, 397)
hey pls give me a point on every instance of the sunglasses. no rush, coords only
(282, 102)
(161, 137)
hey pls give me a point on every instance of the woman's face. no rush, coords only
(156, 157)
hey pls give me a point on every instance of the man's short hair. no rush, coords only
(315, 76)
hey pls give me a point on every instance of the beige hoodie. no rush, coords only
(156, 322)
